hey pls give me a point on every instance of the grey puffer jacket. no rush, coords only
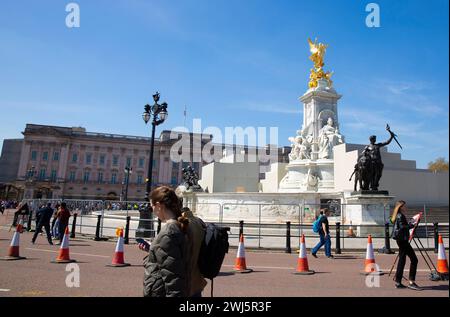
(165, 265)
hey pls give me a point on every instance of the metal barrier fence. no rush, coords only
(101, 219)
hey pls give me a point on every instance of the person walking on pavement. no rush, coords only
(401, 235)
(45, 214)
(55, 223)
(166, 272)
(63, 216)
(38, 216)
(324, 233)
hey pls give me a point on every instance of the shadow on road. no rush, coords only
(436, 288)
(225, 273)
(79, 245)
(346, 257)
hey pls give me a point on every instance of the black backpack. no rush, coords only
(212, 252)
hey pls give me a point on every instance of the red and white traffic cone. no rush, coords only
(240, 265)
(63, 256)
(118, 259)
(13, 252)
(442, 264)
(370, 267)
(302, 262)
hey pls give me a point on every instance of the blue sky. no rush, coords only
(231, 62)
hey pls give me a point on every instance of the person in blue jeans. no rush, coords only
(324, 233)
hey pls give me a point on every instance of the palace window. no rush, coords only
(100, 177)
(42, 174)
(53, 176)
(86, 176)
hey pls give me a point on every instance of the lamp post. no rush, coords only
(29, 182)
(128, 170)
(158, 114)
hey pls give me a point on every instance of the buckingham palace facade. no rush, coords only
(71, 163)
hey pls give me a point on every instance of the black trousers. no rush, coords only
(62, 229)
(405, 249)
(39, 229)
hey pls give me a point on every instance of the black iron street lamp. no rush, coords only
(29, 182)
(128, 170)
(158, 114)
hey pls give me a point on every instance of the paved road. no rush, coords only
(272, 276)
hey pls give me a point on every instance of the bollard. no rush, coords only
(241, 227)
(97, 230)
(288, 237)
(387, 243)
(338, 238)
(436, 237)
(127, 230)
(74, 225)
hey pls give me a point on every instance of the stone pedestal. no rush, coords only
(307, 175)
(365, 210)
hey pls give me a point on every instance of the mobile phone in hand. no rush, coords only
(140, 240)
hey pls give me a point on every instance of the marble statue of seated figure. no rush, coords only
(328, 137)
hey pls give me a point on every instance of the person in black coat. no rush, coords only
(45, 214)
(401, 235)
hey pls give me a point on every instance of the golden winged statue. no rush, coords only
(317, 54)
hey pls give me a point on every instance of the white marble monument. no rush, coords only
(310, 165)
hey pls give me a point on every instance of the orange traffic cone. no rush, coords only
(370, 267)
(350, 231)
(63, 256)
(118, 260)
(13, 253)
(442, 264)
(240, 266)
(302, 262)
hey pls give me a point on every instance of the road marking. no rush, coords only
(32, 293)
(4, 290)
(52, 251)
(266, 267)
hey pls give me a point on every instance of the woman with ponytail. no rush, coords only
(166, 268)
(401, 235)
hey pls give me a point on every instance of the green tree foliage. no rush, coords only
(439, 165)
